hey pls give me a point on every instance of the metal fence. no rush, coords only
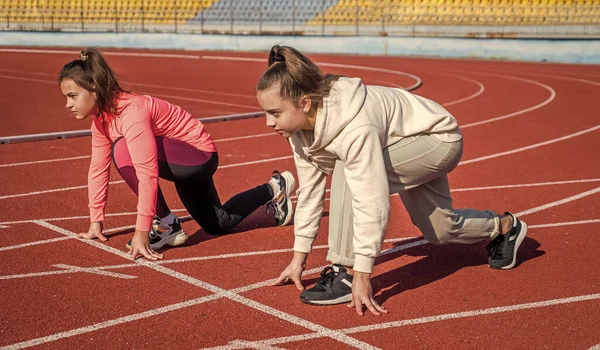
(304, 17)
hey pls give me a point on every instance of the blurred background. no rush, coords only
(434, 18)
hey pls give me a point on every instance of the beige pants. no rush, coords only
(417, 169)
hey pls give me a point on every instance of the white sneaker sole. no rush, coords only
(172, 240)
(520, 239)
(341, 300)
(290, 186)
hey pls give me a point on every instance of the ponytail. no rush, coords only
(295, 75)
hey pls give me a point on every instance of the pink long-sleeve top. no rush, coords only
(139, 120)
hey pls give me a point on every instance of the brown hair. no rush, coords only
(91, 72)
(296, 76)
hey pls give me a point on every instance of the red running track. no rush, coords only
(531, 139)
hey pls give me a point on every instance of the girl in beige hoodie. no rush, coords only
(375, 141)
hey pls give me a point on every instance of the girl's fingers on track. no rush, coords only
(146, 252)
(278, 281)
(298, 283)
(371, 308)
(379, 308)
(358, 306)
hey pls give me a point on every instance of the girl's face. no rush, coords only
(80, 102)
(284, 116)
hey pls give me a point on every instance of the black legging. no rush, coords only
(192, 170)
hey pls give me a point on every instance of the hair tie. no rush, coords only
(83, 56)
(278, 58)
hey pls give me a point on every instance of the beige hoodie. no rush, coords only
(354, 125)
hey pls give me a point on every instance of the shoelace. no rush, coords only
(272, 207)
(494, 246)
(327, 276)
(153, 234)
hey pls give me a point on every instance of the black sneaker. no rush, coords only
(162, 234)
(281, 204)
(502, 250)
(334, 287)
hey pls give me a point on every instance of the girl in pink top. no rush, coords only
(147, 138)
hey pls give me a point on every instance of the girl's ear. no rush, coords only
(305, 103)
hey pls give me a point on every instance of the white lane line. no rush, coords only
(218, 93)
(255, 162)
(428, 319)
(28, 79)
(222, 58)
(521, 149)
(44, 161)
(190, 259)
(29, 244)
(487, 188)
(111, 323)
(36, 274)
(154, 312)
(51, 191)
(79, 217)
(495, 155)
(126, 82)
(149, 313)
(247, 344)
(569, 223)
(579, 80)
(514, 114)
(551, 183)
(481, 188)
(93, 270)
(68, 269)
(175, 97)
(226, 166)
(214, 289)
(558, 202)
(447, 104)
(106, 53)
(417, 80)
(179, 97)
(237, 138)
(470, 97)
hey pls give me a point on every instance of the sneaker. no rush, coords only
(281, 204)
(502, 250)
(334, 287)
(162, 234)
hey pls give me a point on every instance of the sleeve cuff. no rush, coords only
(96, 215)
(143, 223)
(303, 244)
(363, 263)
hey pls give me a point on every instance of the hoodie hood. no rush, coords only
(345, 100)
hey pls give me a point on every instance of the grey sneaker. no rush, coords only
(334, 287)
(502, 250)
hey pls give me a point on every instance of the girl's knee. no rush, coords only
(441, 227)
